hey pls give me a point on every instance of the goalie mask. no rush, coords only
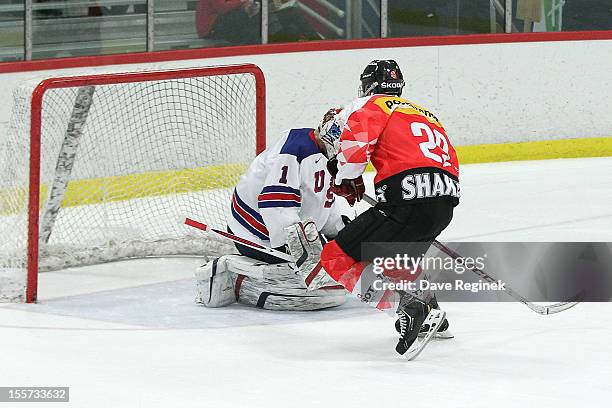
(329, 131)
(381, 77)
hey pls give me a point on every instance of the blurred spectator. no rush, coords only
(236, 21)
(529, 11)
(287, 23)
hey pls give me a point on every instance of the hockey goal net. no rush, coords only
(105, 167)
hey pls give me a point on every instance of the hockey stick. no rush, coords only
(253, 245)
(539, 309)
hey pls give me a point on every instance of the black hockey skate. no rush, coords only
(443, 332)
(415, 316)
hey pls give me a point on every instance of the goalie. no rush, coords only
(286, 183)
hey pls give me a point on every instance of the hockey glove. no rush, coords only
(305, 245)
(352, 190)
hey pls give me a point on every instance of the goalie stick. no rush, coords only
(253, 245)
(539, 309)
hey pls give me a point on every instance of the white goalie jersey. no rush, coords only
(286, 183)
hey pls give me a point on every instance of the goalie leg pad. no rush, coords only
(224, 280)
(278, 287)
(214, 284)
(259, 293)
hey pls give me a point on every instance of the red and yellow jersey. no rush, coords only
(406, 144)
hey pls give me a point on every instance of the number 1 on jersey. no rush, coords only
(283, 178)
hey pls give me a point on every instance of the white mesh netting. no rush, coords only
(150, 154)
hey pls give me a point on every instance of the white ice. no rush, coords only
(128, 334)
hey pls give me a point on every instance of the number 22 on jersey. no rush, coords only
(435, 141)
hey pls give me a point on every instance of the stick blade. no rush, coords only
(552, 309)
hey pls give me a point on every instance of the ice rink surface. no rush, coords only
(127, 334)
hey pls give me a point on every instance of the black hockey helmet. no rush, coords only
(381, 77)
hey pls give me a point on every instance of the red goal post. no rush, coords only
(36, 129)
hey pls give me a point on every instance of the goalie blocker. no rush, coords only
(236, 278)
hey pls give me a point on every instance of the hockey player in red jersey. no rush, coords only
(417, 187)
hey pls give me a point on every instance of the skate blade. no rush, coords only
(445, 335)
(434, 319)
